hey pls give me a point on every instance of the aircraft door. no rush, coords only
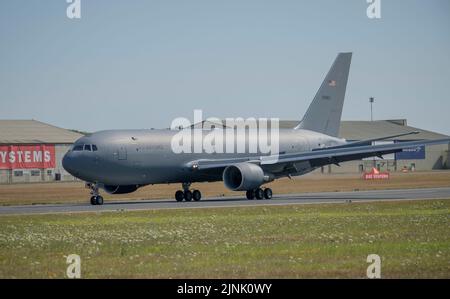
(122, 153)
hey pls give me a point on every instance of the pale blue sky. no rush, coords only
(139, 64)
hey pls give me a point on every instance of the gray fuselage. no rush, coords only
(142, 157)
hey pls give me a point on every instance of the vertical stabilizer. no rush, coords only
(324, 113)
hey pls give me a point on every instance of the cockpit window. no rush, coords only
(85, 147)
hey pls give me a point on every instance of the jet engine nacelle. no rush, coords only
(244, 176)
(112, 189)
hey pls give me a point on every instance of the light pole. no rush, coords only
(371, 100)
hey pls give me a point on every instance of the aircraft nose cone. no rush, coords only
(68, 163)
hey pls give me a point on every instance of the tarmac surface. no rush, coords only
(235, 201)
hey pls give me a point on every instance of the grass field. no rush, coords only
(75, 192)
(320, 240)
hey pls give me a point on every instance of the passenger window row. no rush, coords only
(85, 147)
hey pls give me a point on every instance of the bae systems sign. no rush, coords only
(414, 153)
(27, 156)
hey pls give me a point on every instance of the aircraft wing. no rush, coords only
(366, 141)
(319, 157)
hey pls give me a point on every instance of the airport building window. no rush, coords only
(18, 173)
(35, 173)
(49, 172)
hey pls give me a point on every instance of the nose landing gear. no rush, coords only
(187, 194)
(96, 198)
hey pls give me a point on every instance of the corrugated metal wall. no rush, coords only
(8, 176)
(436, 157)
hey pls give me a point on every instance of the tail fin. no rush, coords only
(324, 113)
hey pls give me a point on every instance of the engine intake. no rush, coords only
(120, 189)
(244, 176)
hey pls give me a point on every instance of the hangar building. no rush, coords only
(420, 158)
(32, 151)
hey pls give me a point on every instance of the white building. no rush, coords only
(32, 151)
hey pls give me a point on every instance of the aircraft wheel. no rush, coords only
(187, 195)
(196, 195)
(259, 193)
(98, 200)
(267, 193)
(179, 195)
(93, 200)
(250, 194)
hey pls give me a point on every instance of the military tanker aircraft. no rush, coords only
(121, 161)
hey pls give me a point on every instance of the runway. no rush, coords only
(235, 201)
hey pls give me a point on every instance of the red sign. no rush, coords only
(27, 156)
(376, 175)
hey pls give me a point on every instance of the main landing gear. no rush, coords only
(259, 193)
(96, 198)
(187, 194)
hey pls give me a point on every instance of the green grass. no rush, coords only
(323, 240)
